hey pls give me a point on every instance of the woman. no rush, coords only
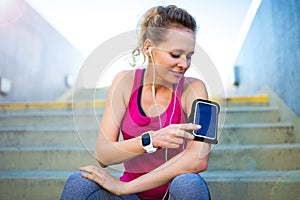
(150, 106)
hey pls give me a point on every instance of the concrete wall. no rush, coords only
(35, 58)
(270, 55)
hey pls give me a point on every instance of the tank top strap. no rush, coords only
(179, 88)
(138, 77)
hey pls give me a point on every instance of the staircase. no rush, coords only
(258, 155)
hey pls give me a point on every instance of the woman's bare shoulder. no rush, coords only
(192, 83)
(124, 76)
(122, 84)
(193, 89)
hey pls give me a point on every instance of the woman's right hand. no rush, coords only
(173, 135)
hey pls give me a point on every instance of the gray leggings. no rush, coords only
(185, 186)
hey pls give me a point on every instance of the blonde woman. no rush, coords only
(150, 108)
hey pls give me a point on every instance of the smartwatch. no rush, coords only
(147, 142)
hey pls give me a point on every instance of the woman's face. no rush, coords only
(173, 56)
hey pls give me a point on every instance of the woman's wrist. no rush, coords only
(154, 142)
(126, 189)
(147, 142)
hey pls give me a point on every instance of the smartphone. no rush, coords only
(205, 113)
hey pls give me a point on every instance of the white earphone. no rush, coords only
(153, 95)
(153, 88)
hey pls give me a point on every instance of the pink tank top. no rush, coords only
(135, 123)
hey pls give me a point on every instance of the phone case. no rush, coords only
(192, 117)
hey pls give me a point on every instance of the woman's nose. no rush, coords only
(184, 63)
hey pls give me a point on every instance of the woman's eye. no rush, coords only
(175, 55)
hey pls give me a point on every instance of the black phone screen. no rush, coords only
(206, 115)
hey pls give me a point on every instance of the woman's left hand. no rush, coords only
(104, 179)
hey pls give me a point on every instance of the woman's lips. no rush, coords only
(177, 73)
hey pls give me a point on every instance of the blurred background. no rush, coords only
(46, 42)
(253, 43)
(49, 114)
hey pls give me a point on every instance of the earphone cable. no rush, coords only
(159, 117)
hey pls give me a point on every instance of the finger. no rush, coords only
(169, 144)
(188, 126)
(183, 134)
(92, 177)
(177, 140)
(86, 168)
(92, 170)
(173, 146)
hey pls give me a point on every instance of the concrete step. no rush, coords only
(33, 184)
(253, 185)
(223, 157)
(53, 118)
(244, 101)
(87, 94)
(247, 104)
(269, 133)
(92, 116)
(257, 133)
(69, 106)
(255, 157)
(48, 136)
(45, 158)
(258, 114)
(247, 185)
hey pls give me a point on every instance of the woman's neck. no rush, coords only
(159, 84)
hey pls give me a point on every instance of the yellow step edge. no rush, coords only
(29, 105)
(248, 99)
(243, 99)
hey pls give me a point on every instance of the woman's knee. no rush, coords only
(189, 186)
(77, 187)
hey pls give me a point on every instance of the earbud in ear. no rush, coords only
(150, 52)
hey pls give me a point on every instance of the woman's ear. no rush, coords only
(147, 47)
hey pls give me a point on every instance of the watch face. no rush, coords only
(146, 139)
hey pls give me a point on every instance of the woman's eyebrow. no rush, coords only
(181, 51)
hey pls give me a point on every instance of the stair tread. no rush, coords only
(259, 125)
(256, 146)
(99, 110)
(217, 147)
(50, 113)
(51, 128)
(250, 108)
(43, 148)
(33, 174)
(208, 175)
(250, 175)
(45, 128)
(41, 174)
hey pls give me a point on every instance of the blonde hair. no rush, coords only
(157, 20)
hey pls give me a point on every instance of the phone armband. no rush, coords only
(206, 114)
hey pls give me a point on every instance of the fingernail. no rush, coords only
(198, 126)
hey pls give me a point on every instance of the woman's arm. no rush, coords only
(192, 160)
(108, 149)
